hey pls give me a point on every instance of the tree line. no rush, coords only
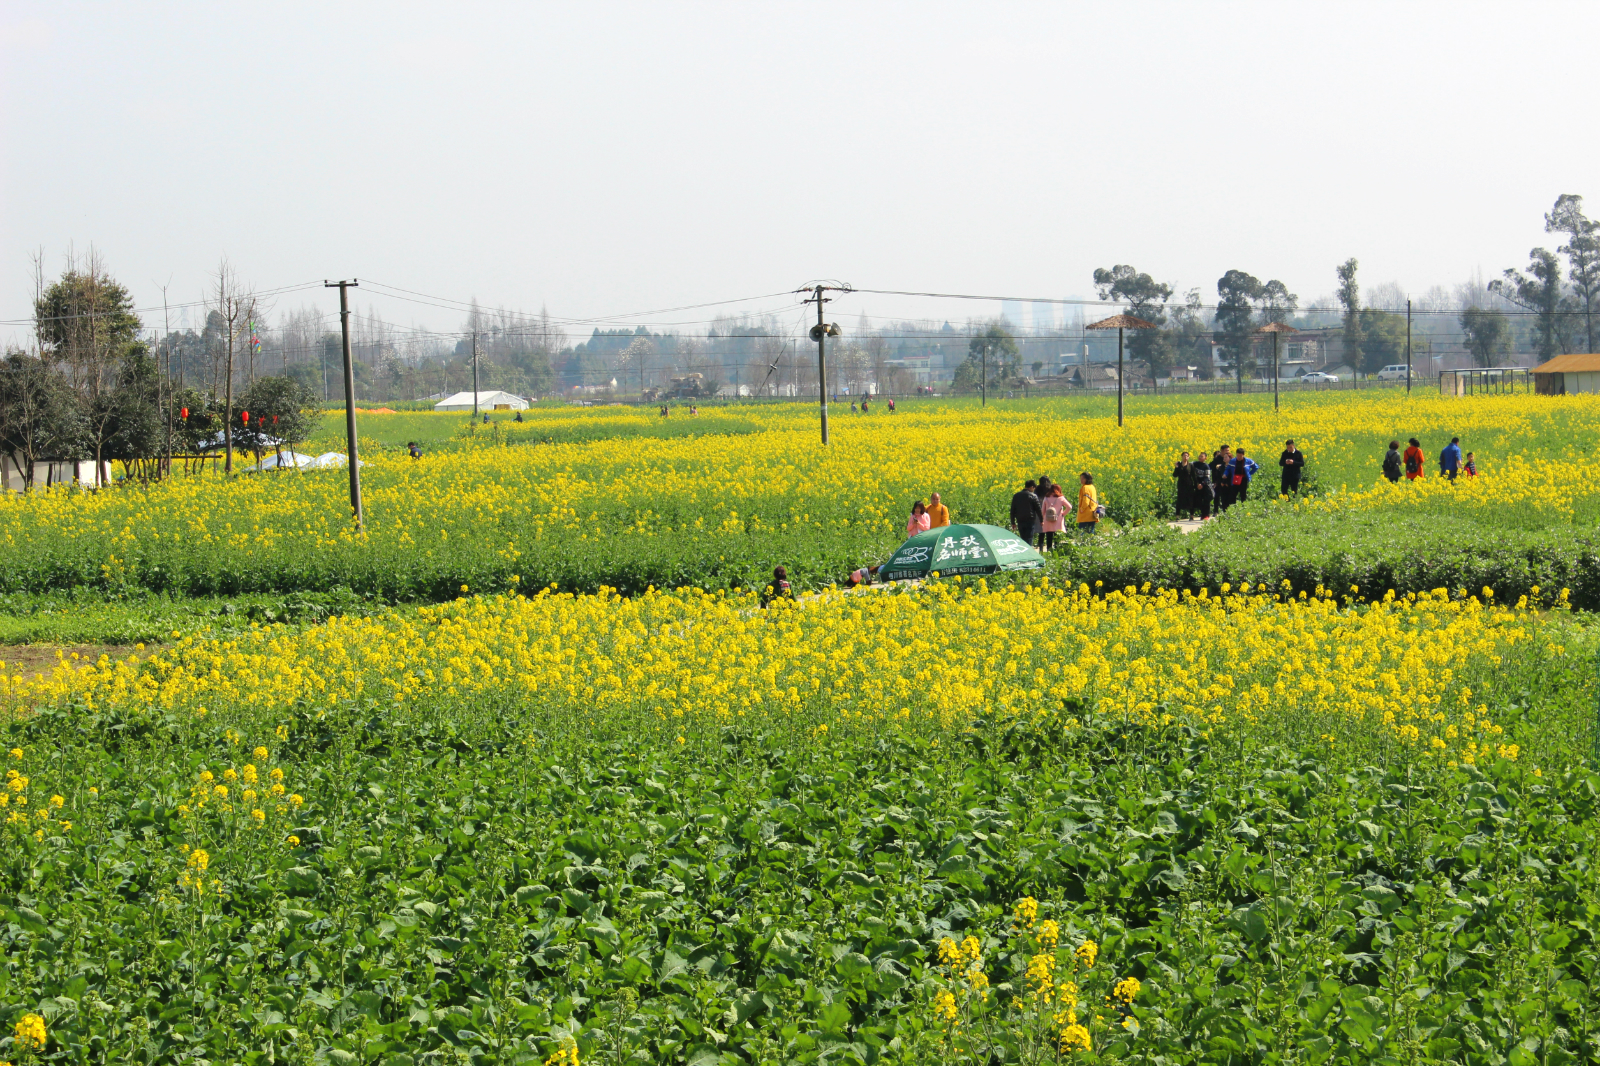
(94, 390)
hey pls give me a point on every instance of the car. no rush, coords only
(1394, 372)
(1317, 377)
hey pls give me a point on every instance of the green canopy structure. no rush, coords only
(960, 550)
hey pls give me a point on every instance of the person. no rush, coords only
(1025, 513)
(1392, 463)
(862, 576)
(1240, 471)
(1204, 491)
(1088, 503)
(891, 405)
(1183, 473)
(863, 405)
(1054, 509)
(413, 449)
(1470, 467)
(938, 513)
(919, 522)
(1293, 461)
(486, 418)
(1415, 461)
(1221, 476)
(518, 418)
(780, 588)
(1450, 459)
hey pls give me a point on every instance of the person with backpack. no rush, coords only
(1240, 471)
(1293, 461)
(1204, 491)
(1183, 473)
(920, 521)
(1414, 459)
(1054, 506)
(1392, 463)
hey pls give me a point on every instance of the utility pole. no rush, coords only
(1408, 347)
(474, 377)
(820, 333)
(351, 458)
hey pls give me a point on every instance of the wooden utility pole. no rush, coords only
(1408, 347)
(352, 460)
(474, 376)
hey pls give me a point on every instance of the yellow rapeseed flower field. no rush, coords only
(723, 497)
(1394, 674)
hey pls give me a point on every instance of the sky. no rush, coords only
(602, 159)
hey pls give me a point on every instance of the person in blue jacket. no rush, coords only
(1239, 472)
(1450, 458)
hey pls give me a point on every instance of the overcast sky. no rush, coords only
(604, 158)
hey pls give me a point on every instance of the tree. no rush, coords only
(633, 358)
(992, 355)
(1488, 335)
(1188, 333)
(1350, 298)
(1383, 339)
(133, 430)
(282, 411)
(1147, 299)
(85, 321)
(1583, 255)
(39, 416)
(1540, 293)
(1236, 290)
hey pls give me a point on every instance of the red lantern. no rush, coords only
(185, 414)
(246, 416)
(274, 419)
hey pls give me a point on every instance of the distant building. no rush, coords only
(1044, 317)
(1567, 375)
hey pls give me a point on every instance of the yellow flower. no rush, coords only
(16, 753)
(260, 754)
(944, 1005)
(1086, 953)
(1025, 911)
(294, 841)
(259, 815)
(1125, 989)
(57, 801)
(30, 1033)
(295, 799)
(567, 1053)
(1074, 1037)
(199, 859)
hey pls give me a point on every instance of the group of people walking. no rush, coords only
(1209, 484)
(1039, 511)
(1413, 463)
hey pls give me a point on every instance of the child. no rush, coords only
(1470, 467)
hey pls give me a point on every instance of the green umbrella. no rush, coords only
(960, 550)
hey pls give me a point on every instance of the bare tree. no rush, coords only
(232, 307)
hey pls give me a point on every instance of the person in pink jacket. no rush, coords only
(1054, 507)
(919, 522)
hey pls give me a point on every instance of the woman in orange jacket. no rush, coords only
(1414, 460)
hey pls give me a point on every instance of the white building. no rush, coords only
(487, 401)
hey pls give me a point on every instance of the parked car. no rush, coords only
(1394, 372)
(1317, 377)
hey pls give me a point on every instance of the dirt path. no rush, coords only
(32, 660)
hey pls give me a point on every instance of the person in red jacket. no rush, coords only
(1414, 460)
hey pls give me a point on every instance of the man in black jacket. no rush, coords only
(1204, 493)
(1026, 513)
(1293, 461)
(1221, 477)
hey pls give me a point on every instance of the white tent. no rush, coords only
(330, 460)
(286, 461)
(487, 401)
